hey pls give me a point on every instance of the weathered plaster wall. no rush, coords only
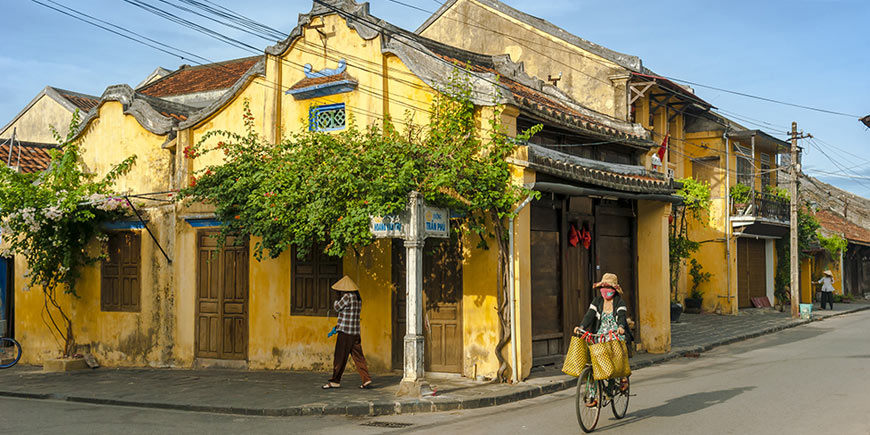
(710, 229)
(33, 126)
(114, 136)
(589, 78)
(115, 338)
(653, 283)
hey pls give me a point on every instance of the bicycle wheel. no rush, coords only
(587, 400)
(10, 352)
(619, 403)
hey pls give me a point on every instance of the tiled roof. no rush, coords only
(866, 120)
(314, 81)
(628, 178)
(83, 101)
(837, 224)
(201, 78)
(34, 155)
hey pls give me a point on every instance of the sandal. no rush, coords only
(623, 385)
(330, 385)
(366, 385)
(592, 404)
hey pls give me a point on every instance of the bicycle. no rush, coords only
(10, 352)
(592, 395)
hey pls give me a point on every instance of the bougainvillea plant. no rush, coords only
(49, 218)
(322, 188)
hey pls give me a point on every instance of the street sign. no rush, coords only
(389, 226)
(436, 222)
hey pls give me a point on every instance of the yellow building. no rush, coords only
(739, 234)
(50, 107)
(193, 303)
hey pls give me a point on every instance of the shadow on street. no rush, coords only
(678, 406)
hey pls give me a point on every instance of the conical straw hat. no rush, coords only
(828, 272)
(345, 284)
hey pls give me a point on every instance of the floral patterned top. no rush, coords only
(608, 323)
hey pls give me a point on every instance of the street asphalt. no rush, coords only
(805, 380)
(282, 393)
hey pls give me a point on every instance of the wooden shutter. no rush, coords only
(120, 285)
(313, 276)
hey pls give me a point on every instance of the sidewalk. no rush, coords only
(282, 393)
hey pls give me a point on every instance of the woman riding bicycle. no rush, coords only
(607, 313)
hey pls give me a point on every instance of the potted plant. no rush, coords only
(739, 194)
(696, 295)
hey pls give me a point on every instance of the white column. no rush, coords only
(412, 381)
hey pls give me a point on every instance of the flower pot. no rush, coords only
(676, 311)
(693, 305)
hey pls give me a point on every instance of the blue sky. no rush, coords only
(809, 52)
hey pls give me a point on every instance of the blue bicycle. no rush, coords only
(10, 352)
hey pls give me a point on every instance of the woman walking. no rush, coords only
(348, 342)
(827, 283)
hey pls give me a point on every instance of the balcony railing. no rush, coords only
(763, 205)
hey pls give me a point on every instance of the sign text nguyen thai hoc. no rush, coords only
(436, 222)
(389, 226)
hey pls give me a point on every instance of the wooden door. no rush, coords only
(577, 281)
(615, 251)
(222, 298)
(442, 305)
(751, 271)
(548, 326)
(442, 297)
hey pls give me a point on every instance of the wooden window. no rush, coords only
(120, 283)
(310, 291)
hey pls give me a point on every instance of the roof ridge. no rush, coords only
(628, 61)
(74, 93)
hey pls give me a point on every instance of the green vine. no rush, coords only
(807, 236)
(696, 203)
(49, 219)
(319, 188)
(834, 244)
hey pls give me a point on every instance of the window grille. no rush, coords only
(327, 118)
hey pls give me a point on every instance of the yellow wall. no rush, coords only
(653, 282)
(115, 338)
(112, 137)
(33, 125)
(593, 81)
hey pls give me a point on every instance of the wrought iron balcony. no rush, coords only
(763, 205)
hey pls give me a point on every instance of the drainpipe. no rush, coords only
(727, 215)
(511, 299)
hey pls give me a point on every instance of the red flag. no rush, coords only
(663, 148)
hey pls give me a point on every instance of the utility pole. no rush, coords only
(795, 201)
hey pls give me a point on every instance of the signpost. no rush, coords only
(414, 225)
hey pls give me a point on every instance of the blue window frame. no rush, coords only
(327, 118)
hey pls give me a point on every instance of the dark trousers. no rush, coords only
(828, 297)
(349, 345)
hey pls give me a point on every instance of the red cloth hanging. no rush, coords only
(573, 236)
(586, 237)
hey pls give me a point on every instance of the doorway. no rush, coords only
(221, 297)
(442, 305)
(751, 271)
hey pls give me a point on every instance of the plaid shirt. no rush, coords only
(348, 308)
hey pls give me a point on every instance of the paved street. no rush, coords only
(808, 379)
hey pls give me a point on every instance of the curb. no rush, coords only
(434, 404)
